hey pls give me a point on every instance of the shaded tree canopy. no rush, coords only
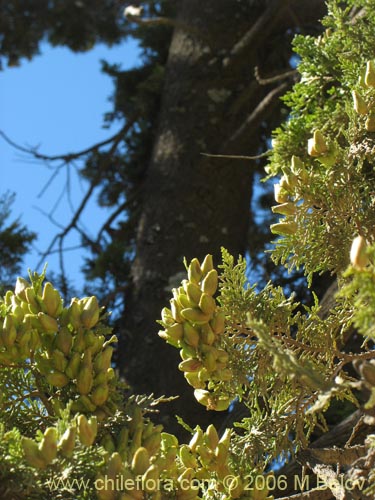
(15, 241)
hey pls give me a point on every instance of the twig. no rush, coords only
(239, 157)
(50, 180)
(43, 397)
(49, 217)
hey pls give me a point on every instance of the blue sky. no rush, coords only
(56, 102)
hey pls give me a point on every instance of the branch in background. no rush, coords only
(274, 79)
(314, 494)
(337, 436)
(68, 157)
(73, 223)
(262, 25)
(239, 157)
(258, 113)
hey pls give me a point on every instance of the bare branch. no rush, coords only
(67, 157)
(49, 217)
(239, 157)
(50, 180)
(59, 238)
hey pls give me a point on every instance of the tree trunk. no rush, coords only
(193, 204)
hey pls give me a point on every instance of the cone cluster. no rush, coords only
(67, 351)
(287, 192)
(52, 446)
(363, 102)
(194, 324)
(134, 459)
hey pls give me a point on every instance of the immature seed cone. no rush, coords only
(202, 396)
(20, 289)
(207, 304)
(212, 437)
(281, 195)
(197, 439)
(33, 305)
(210, 282)
(67, 442)
(150, 478)
(152, 442)
(207, 264)
(194, 271)
(73, 366)
(186, 457)
(114, 465)
(190, 365)
(193, 380)
(370, 74)
(175, 331)
(370, 123)
(58, 379)
(90, 313)
(87, 430)
(48, 445)
(84, 380)
(284, 228)
(48, 324)
(32, 453)
(9, 332)
(236, 487)
(59, 360)
(207, 334)
(176, 311)
(359, 103)
(141, 461)
(218, 323)
(191, 335)
(51, 300)
(193, 293)
(100, 394)
(74, 314)
(358, 256)
(284, 209)
(317, 145)
(103, 360)
(195, 315)
(64, 340)
(209, 360)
